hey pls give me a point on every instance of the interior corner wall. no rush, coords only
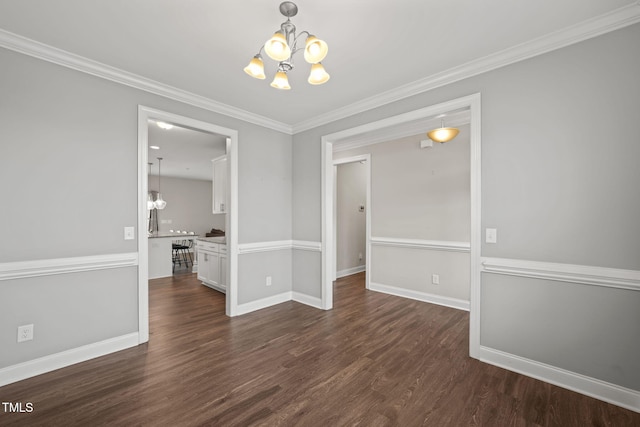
(559, 183)
(68, 175)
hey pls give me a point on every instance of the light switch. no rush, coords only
(129, 233)
(492, 235)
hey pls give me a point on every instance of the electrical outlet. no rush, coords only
(25, 333)
(360, 256)
(268, 281)
(435, 279)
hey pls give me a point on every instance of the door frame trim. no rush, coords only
(144, 115)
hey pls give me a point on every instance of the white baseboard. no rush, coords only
(307, 300)
(350, 271)
(617, 395)
(421, 296)
(263, 303)
(49, 363)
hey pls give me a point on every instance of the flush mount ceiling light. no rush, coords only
(283, 45)
(442, 134)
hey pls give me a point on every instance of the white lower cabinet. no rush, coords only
(212, 265)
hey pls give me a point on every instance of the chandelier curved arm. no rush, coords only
(294, 47)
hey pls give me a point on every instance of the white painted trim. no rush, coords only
(49, 363)
(349, 271)
(582, 274)
(327, 223)
(61, 57)
(248, 307)
(278, 245)
(611, 21)
(454, 118)
(617, 395)
(307, 300)
(421, 296)
(304, 245)
(475, 159)
(231, 222)
(438, 245)
(47, 267)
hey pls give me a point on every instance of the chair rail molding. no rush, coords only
(47, 267)
(581, 274)
(278, 245)
(440, 245)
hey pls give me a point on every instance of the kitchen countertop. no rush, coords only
(217, 239)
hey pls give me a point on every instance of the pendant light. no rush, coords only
(442, 134)
(159, 203)
(150, 203)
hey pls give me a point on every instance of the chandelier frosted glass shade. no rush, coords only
(277, 48)
(256, 68)
(281, 81)
(150, 203)
(160, 203)
(318, 75)
(283, 45)
(315, 50)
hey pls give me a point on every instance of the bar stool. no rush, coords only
(181, 253)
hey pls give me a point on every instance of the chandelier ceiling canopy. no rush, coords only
(283, 45)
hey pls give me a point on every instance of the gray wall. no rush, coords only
(559, 182)
(189, 205)
(419, 193)
(68, 176)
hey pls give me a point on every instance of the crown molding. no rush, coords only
(614, 20)
(26, 46)
(594, 27)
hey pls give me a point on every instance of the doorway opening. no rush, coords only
(352, 216)
(145, 115)
(398, 126)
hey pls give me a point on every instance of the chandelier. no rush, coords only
(283, 45)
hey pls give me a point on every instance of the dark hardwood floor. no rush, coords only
(374, 360)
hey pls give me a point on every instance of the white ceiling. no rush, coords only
(375, 46)
(185, 153)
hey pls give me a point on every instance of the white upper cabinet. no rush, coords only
(220, 185)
